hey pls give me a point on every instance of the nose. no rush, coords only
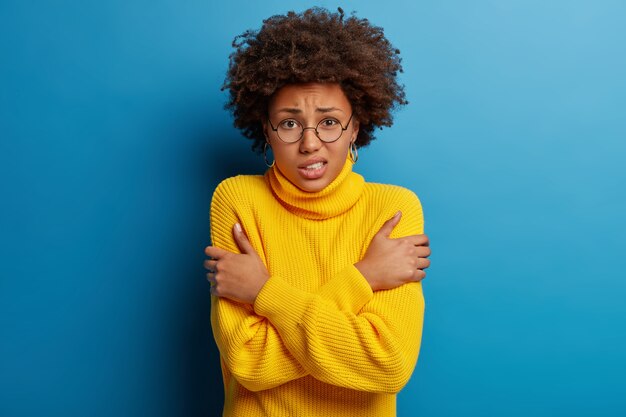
(310, 142)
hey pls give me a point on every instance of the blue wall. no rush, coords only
(112, 137)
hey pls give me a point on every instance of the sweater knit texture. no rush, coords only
(317, 341)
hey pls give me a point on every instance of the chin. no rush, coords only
(312, 186)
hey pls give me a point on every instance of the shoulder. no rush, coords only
(391, 194)
(387, 199)
(240, 187)
(239, 193)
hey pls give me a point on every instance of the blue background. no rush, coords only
(113, 137)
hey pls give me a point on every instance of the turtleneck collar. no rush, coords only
(338, 196)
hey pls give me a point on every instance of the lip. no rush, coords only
(313, 174)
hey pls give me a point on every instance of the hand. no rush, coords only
(239, 277)
(390, 263)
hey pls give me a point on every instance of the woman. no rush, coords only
(317, 305)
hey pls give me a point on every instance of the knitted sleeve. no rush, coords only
(374, 349)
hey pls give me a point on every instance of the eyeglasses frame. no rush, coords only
(343, 129)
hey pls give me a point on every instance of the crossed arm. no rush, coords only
(349, 333)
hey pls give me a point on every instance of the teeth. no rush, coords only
(315, 166)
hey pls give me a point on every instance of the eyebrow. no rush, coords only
(295, 110)
(328, 109)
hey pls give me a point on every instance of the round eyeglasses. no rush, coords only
(327, 130)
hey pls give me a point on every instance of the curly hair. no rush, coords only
(314, 46)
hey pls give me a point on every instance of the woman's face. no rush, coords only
(310, 163)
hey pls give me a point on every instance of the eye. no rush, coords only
(328, 124)
(289, 124)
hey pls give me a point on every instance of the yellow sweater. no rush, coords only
(317, 341)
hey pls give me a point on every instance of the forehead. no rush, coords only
(311, 95)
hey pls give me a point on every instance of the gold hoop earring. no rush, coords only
(265, 155)
(354, 153)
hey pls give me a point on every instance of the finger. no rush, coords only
(388, 226)
(423, 263)
(422, 251)
(419, 275)
(242, 240)
(211, 265)
(211, 277)
(214, 252)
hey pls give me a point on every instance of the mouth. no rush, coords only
(313, 170)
